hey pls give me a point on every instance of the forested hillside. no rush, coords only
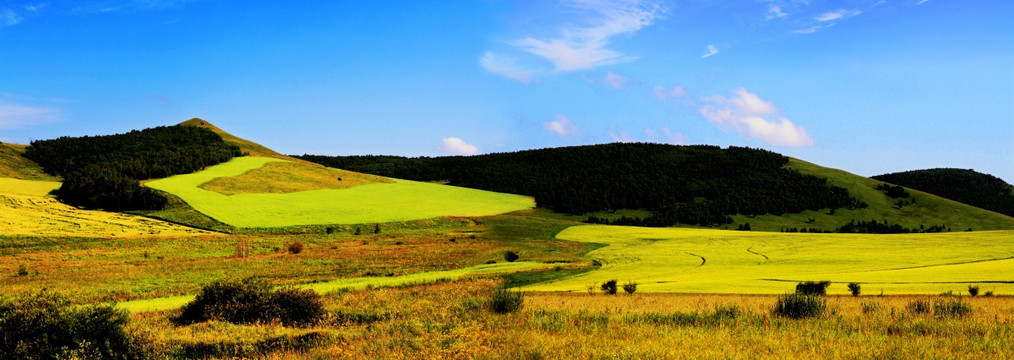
(681, 184)
(103, 171)
(965, 186)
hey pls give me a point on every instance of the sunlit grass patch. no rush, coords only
(290, 176)
(401, 200)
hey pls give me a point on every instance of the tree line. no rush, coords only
(102, 172)
(682, 184)
(964, 186)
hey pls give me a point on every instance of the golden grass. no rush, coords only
(27, 187)
(12, 165)
(27, 215)
(290, 176)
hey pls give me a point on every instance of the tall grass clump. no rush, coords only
(511, 256)
(818, 288)
(503, 301)
(919, 307)
(252, 301)
(870, 307)
(799, 306)
(630, 287)
(951, 308)
(43, 325)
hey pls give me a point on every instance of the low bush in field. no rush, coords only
(813, 287)
(609, 287)
(295, 247)
(799, 306)
(511, 256)
(871, 307)
(251, 301)
(855, 288)
(504, 301)
(630, 287)
(973, 290)
(43, 325)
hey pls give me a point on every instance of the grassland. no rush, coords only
(28, 212)
(722, 261)
(378, 202)
(927, 209)
(12, 165)
(290, 176)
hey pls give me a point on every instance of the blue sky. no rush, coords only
(865, 86)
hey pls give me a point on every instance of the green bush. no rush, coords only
(813, 287)
(250, 301)
(630, 287)
(504, 301)
(609, 287)
(799, 306)
(855, 288)
(511, 256)
(973, 290)
(295, 247)
(22, 270)
(871, 307)
(43, 325)
(951, 308)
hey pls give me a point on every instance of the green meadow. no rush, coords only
(372, 203)
(721, 261)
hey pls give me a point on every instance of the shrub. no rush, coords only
(376, 228)
(799, 306)
(511, 256)
(855, 288)
(251, 300)
(973, 290)
(919, 307)
(43, 325)
(295, 247)
(951, 308)
(504, 301)
(871, 307)
(22, 270)
(609, 287)
(988, 293)
(813, 288)
(630, 287)
(488, 262)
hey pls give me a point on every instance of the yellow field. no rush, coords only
(28, 212)
(290, 176)
(721, 261)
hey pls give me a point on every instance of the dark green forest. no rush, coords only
(102, 172)
(681, 184)
(964, 186)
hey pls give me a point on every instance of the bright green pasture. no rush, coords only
(402, 200)
(27, 187)
(724, 261)
(173, 302)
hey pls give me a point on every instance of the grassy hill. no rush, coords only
(13, 165)
(965, 186)
(921, 209)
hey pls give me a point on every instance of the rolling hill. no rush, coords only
(965, 186)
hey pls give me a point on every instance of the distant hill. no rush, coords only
(965, 186)
(13, 165)
(664, 185)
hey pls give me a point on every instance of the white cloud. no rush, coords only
(622, 137)
(663, 94)
(9, 18)
(616, 81)
(748, 113)
(810, 30)
(835, 15)
(506, 67)
(711, 50)
(921, 2)
(561, 126)
(581, 44)
(457, 146)
(675, 138)
(17, 116)
(774, 11)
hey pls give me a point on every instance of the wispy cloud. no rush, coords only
(665, 135)
(838, 14)
(9, 18)
(709, 51)
(13, 116)
(812, 29)
(666, 94)
(561, 126)
(921, 2)
(621, 137)
(615, 80)
(750, 115)
(453, 145)
(506, 67)
(582, 43)
(775, 11)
